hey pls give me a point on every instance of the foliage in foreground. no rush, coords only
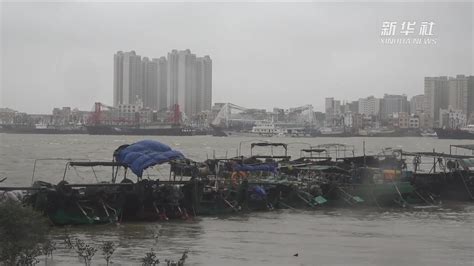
(24, 237)
(108, 249)
(22, 232)
(151, 259)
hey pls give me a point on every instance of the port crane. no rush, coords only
(227, 113)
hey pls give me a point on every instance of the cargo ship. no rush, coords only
(100, 123)
(41, 129)
(457, 133)
(141, 131)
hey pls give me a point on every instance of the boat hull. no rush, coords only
(453, 134)
(10, 129)
(111, 130)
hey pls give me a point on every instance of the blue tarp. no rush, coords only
(266, 167)
(146, 153)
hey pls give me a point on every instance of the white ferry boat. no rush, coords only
(267, 128)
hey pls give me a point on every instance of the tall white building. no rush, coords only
(189, 81)
(470, 98)
(458, 93)
(436, 96)
(369, 106)
(203, 84)
(162, 83)
(128, 80)
(182, 80)
(149, 94)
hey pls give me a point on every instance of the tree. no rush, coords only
(22, 231)
(108, 249)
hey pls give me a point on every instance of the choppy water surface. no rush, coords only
(443, 236)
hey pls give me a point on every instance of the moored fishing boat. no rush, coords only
(324, 175)
(442, 176)
(113, 201)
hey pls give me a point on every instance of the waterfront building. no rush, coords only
(436, 96)
(353, 106)
(149, 73)
(133, 114)
(369, 106)
(458, 93)
(162, 83)
(400, 120)
(426, 121)
(203, 84)
(329, 108)
(7, 116)
(128, 79)
(394, 104)
(470, 98)
(189, 82)
(414, 121)
(333, 112)
(416, 104)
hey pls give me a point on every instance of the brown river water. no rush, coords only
(435, 236)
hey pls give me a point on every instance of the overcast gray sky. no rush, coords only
(264, 54)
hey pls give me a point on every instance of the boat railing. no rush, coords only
(336, 150)
(55, 159)
(284, 157)
(466, 147)
(421, 158)
(311, 151)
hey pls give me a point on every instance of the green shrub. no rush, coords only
(22, 232)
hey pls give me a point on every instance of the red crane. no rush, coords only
(175, 116)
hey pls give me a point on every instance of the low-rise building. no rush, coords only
(400, 120)
(414, 122)
(7, 116)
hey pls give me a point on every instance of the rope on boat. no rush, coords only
(421, 197)
(347, 196)
(232, 206)
(400, 194)
(83, 212)
(303, 199)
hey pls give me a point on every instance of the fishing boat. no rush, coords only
(346, 179)
(333, 175)
(114, 200)
(324, 175)
(442, 176)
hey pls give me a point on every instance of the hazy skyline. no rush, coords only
(264, 54)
